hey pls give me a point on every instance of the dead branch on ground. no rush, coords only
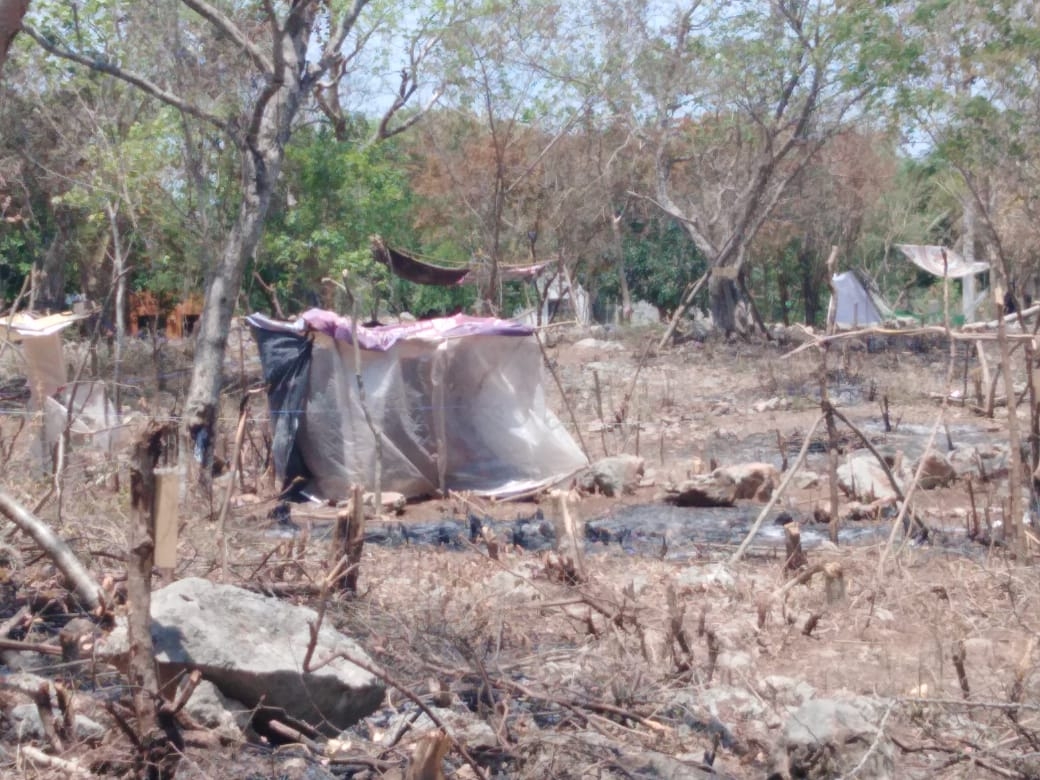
(86, 587)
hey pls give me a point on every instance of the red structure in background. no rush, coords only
(176, 322)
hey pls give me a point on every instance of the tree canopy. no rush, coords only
(500, 133)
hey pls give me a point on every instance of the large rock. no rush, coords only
(613, 475)
(755, 481)
(252, 648)
(984, 461)
(826, 738)
(863, 478)
(936, 471)
(715, 489)
(212, 709)
(29, 725)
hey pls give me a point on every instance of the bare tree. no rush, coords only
(732, 101)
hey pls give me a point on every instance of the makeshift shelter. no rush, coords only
(560, 301)
(94, 422)
(459, 402)
(859, 302)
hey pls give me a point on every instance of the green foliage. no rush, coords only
(335, 195)
(660, 261)
(16, 257)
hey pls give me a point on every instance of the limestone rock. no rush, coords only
(614, 475)
(826, 738)
(209, 707)
(755, 481)
(936, 471)
(985, 461)
(863, 478)
(645, 313)
(252, 648)
(28, 725)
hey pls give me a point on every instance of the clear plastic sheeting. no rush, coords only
(84, 407)
(94, 422)
(459, 402)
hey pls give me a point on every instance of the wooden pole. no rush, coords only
(795, 554)
(349, 541)
(825, 402)
(355, 540)
(157, 733)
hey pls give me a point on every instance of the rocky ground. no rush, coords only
(882, 656)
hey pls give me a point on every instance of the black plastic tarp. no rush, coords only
(286, 359)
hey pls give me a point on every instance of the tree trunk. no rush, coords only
(626, 294)
(785, 292)
(11, 13)
(160, 741)
(49, 271)
(119, 277)
(262, 151)
(810, 287)
(222, 288)
(723, 296)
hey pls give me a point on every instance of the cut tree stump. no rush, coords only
(796, 559)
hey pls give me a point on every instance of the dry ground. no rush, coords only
(680, 658)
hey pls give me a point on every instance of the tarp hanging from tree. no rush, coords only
(930, 258)
(459, 401)
(412, 269)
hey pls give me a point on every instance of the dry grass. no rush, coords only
(668, 658)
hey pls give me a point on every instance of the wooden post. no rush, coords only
(835, 578)
(156, 730)
(825, 403)
(984, 380)
(1033, 381)
(1013, 523)
(350, 539)
(795, 555)
(167, 491)
(570, 548)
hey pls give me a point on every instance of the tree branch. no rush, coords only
(85, 585)
(232, 31)
(140, 82)
(335, 43)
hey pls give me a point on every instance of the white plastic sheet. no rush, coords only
(458, 402)
(460, 414)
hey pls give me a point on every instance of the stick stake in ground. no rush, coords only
(777, 493)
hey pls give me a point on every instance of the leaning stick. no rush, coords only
(84, 584)
(776, 493)
(874, 451)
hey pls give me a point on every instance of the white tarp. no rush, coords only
(930, 258)
(856, 303)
